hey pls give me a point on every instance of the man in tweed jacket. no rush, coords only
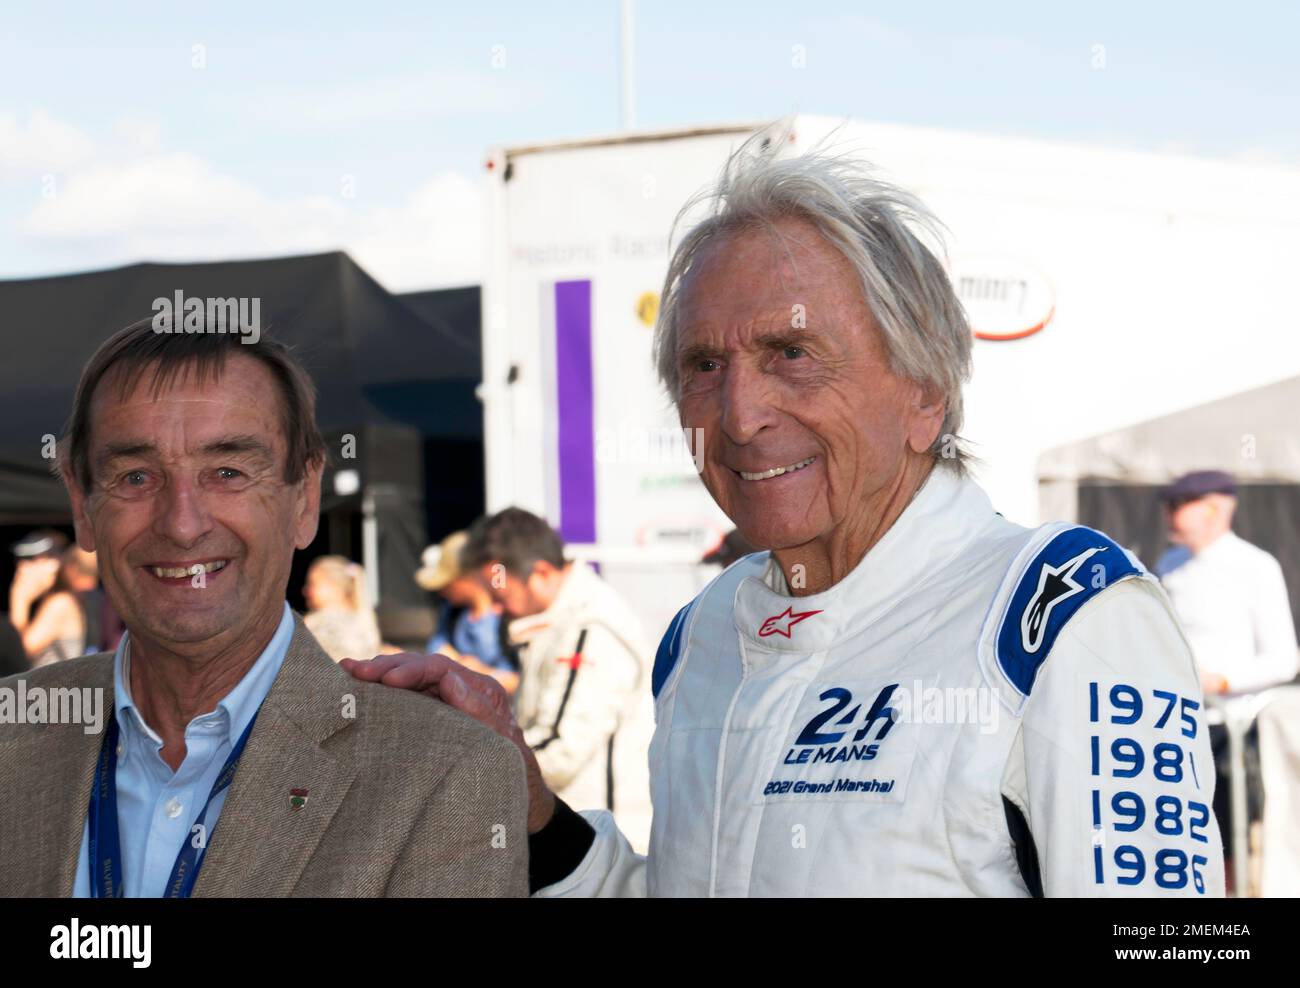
(220, 752)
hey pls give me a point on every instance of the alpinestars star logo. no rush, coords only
(1055, 584)
(780, 624)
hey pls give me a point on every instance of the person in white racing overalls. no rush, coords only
(906, 694)
(583, 701)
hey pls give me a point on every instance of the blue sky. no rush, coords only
(364, 126)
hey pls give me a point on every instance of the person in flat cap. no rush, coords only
(469, 621)
(1231, 599)
(1230, 595)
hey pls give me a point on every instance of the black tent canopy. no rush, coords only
(456, 313)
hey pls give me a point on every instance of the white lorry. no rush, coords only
(1105, 286)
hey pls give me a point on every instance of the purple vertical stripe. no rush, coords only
(575, 401)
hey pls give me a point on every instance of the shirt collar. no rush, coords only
(236, 709)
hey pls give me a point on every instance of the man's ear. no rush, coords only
(80, 519)
(308, 506)
(927, 409)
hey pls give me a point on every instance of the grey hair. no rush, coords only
(871, 223)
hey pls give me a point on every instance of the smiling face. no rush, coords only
(188, 509)
(807, 430)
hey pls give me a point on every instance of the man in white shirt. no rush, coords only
(1231, 599)
(1230, 596)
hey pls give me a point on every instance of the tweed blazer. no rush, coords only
(404, 796)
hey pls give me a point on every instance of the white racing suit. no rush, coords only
(977, 709)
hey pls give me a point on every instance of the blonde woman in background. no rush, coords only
(339, 614)
(49, 597)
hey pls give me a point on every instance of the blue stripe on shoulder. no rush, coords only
(670, 648)
(1069, 571)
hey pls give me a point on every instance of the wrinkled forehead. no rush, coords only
(186, 403)
(767, 277)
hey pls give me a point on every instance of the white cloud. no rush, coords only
(157, 195)
(39, 145)
(437, 238)
(175, 206)
(1268, 157)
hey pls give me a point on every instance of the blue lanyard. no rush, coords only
(105, 851)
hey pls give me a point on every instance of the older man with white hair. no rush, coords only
(905, 694)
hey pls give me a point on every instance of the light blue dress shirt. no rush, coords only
(156, 808)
